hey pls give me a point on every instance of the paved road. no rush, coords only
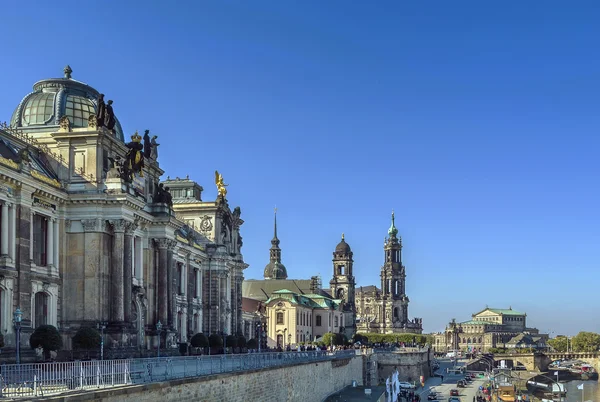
(443, 389)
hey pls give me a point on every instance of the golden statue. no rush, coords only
(220, 184)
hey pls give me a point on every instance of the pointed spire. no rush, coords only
(392, 231)
(275, 226)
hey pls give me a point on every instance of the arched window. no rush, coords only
(196, 323)
(469, 340)
(396, 287)
(340, 294)
(342, 270)
(41, 309)
(481, 341)
(367, 310)
(395, 312)
(279, 318)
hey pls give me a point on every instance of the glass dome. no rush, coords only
(54, 98)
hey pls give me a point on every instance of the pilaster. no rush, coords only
(129, 228)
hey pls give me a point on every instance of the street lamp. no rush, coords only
(259, 330)
(101, 326)
(284, 331)
(158, 330)
(17, 318)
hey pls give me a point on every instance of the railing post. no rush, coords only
(81, 375)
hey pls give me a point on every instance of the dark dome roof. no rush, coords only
(54, 98)
(342, 246)
(275, 270)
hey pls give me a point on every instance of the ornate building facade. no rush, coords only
(334, 308)
(89, 235)
(385, 310)
(489, 328)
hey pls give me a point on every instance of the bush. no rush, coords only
(241, 341)
(1, 341)
(215, 341)
(231, 341)
(252, 344)
(46, 337)
(86, 338)
(199, 340)
(338, 339)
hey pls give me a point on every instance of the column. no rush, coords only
(13, 232)
(50, 242)
(4, 230)
(127, 269)
(31, 216)
(56, 246)
(170, 267)
(163, 298)
(116, 282)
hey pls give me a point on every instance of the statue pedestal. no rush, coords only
(114, 186)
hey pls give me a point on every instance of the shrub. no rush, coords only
(86, 338)
(1, 341)
(215, 341)
(241, 341)
(231, 341)
(199, 340)
(252, 344)
(46, 337)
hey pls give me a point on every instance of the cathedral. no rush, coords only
(89, 236)
(300, 310)
(385, 310)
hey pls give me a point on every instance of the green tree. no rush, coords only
(232, 341)
(559, 343)
(215, 341)
(586, 342)
(46, 337)
(86, 338)
(241, 341)
(199, 340)
(252, 344)
(338, 339)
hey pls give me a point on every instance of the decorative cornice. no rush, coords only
(130, 227)
(9, 162)
(45, 179)
(118, 225)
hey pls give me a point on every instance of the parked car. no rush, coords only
(407, 385)
(461, 384)
(454, 399)
(468, 378)
(454, 392)
(432, 396)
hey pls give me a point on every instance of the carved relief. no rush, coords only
(130, 227)
(165, 243)
(90, 225)
(118, 225)
(65, 124)
(93, 122)
(206, 224)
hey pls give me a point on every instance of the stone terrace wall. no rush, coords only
(410, 366)
(302, 383)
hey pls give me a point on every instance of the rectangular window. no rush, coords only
(196, 282)
(179, 278)
(279, 318)
(318, 321)
(40, 240)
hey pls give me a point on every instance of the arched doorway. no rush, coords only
(280, 341)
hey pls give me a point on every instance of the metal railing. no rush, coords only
(42, 379)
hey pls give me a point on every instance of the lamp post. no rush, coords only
(17, 318)
(283, 340)
(101, 326)
(211, 249)
(158, 330)
(259, 329)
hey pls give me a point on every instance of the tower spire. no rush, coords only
(275, 269)
(392, 231)
(275, 227)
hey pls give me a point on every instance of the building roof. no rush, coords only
(308, 300)
(54, 98)
(262, 289)
(250, 305)
(367, 289)
(502, 311)
(342, 246)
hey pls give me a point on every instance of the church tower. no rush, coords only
(275, 269)
(393, 276)
(343, 285)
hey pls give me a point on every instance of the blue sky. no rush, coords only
(476, 122)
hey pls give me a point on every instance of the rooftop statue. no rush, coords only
(147, 146)
(134, 160)
(101, 111)
(109, 118)
(220, 184)
(154, 148)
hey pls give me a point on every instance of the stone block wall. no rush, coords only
(309, 382)
(410, 366)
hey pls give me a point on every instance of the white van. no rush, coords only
(451, 354)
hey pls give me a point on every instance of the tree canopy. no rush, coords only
(199, 340)
(86, 338)
(46, 337)
(586, 342)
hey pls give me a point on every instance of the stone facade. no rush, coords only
(385, 310)
(83, 243)
(489, 328)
